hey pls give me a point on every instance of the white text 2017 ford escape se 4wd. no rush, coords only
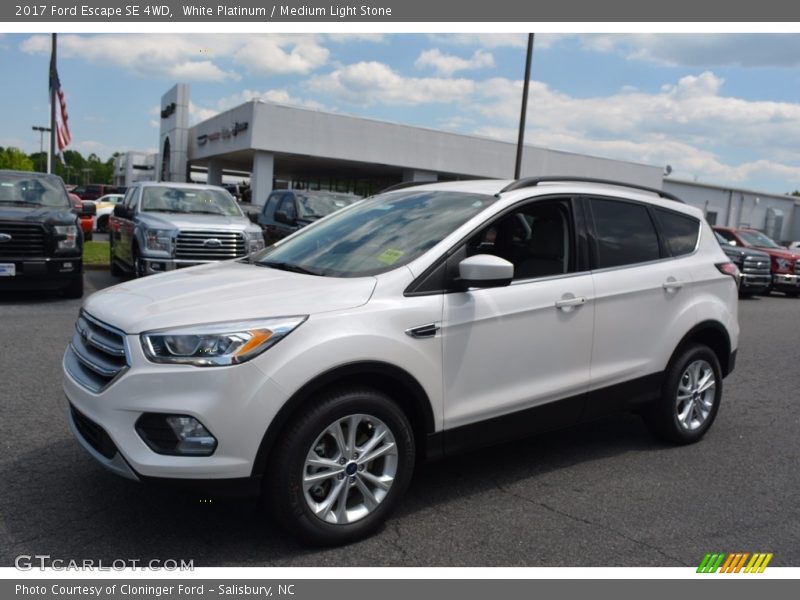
(416, 323)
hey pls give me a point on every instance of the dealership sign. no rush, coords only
(224, 133)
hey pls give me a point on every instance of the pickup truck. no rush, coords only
(754, 267)
(41, 244)
(784, 263)
(163, 226)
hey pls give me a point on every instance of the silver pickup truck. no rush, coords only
(162, 226)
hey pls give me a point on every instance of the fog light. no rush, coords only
(179, 435)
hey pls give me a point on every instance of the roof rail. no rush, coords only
(404, 184)
(534, 181)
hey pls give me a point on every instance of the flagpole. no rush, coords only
(51, 155)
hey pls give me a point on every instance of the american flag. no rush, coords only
(63, 135)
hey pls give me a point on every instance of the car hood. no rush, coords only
(227, 291)
(37, 214)
(188, 221)
(779, 252)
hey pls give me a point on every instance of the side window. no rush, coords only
(287, 206)
(680, 231)
(269, 205)
(727, 235)
(536, 239)
(127, 201)
(625, 233)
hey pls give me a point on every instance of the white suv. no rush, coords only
(415, 324)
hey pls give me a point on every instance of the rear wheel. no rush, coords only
(102, 224)
(690, 397)
(341, 467)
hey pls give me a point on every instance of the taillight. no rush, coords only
(728, 268)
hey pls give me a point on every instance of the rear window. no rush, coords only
(680, 231)
(625, 233)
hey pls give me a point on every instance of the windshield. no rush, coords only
(189, 200)
(376, 235)
(31, 189)
(756, 238)
(315, 206)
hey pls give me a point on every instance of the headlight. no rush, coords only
(218, 344)
(159, 240)
(67, 237)
(255, 241)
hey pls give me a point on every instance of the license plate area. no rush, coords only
(8, 269)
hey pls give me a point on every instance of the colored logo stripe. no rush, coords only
(734, 562)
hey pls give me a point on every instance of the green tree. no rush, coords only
(16, 159)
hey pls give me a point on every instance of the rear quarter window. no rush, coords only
(680, 231)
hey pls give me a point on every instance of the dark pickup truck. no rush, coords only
(753, 266)
(41, 244)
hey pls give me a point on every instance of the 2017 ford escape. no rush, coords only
(411, 325)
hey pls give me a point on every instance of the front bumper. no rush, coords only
(236, 404)
(42, 273)
(754, 283)
(785, 282)
(162, 265)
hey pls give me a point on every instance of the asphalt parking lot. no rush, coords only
(602, 494)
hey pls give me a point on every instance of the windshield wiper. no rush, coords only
(21, 202)
(292, 268)
(169, 210)
(205, 212)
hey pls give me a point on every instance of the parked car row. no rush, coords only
(765, 265)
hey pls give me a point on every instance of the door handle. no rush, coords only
(569, 303)
(673, 285)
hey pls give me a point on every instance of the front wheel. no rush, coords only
(690, 397)
(341, 467)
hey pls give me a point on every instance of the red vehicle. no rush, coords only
(784, 263)
(93, 191)
(86, 211)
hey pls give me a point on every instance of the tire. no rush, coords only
(687, 406)
(75, 288)
(318, 513)
(102, 224)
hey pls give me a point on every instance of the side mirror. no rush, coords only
(88, 209)
(485, 271)
(282, 217)
(120, 211)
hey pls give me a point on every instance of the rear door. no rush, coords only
(643, 298)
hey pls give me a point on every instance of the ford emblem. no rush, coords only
(4, 237)
(212, 243)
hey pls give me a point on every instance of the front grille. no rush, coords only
(93, 433)
(96, 354)
(210, 245)
(754, 265)
(26, 240)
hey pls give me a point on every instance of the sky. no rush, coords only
(718, 108)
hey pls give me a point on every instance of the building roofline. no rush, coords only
(729, 188)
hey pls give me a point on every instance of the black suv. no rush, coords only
(286, 211)
(41, 244)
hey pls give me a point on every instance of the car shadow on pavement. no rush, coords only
(57, 501)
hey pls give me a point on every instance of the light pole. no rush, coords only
(42, 131)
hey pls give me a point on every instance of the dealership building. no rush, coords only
(279, 146)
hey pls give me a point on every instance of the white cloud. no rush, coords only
(191, 57)
(447, 64)
(270, 54)
(345, 38)
(367, 83)
(485, 40)
(706, 50)
(163, 56)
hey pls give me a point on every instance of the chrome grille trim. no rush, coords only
(751, 265)
(194, 245)
(97, 354)
(27, 239)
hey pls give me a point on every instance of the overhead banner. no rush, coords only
(399, 11)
